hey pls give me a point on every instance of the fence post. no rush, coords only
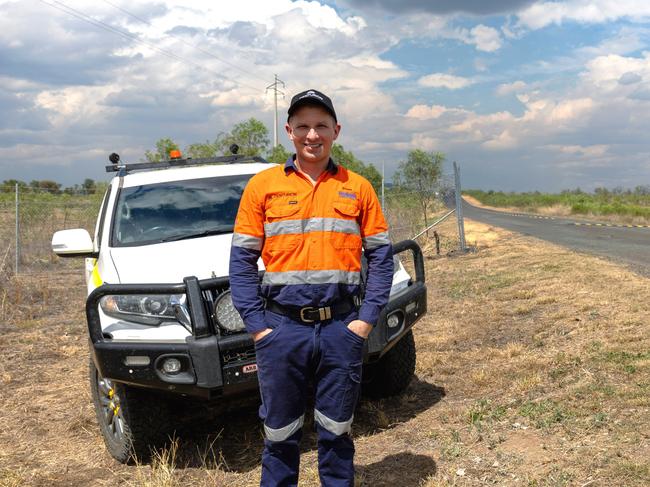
(459, 208)
(17, 234)
(383, 178)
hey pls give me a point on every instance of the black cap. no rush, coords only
(312, 97)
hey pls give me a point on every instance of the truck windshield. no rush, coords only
(177, 210)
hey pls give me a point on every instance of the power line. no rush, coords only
(103, 25)
(199, 48)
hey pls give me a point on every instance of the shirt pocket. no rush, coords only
(346, 232)
(282, 231)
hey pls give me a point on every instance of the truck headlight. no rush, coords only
(151, 309)
(226, 314)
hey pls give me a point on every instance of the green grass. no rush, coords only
(624, 358)
(544, 413)
(485, 410)
(601, 202)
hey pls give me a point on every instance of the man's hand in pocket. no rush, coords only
(361, 328)
(257, 336)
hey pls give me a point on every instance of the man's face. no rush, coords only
(313, 131)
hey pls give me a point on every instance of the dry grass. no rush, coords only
(564, 211)
(533, 369)
(473, 201)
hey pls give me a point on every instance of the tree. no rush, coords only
(46, 185)
(278, 154)
(349, 160)
(9, 185)
(163, 146)
(420, 173)
(75, 189)
(251, 136)
(89, 186)
(198, 150)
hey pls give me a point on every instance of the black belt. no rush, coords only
(310, 314)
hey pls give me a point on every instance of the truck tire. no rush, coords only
(393, 372)
(134, 422)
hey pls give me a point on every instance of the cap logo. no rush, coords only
(311, 93)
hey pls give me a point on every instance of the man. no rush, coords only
(308, 220)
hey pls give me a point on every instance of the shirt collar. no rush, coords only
(332, 168)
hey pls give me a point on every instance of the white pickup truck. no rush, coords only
(161, 322)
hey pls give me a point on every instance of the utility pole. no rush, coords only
(17, 233)
(274, 87)
(459, 208)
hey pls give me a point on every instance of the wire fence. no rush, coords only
(29, 217)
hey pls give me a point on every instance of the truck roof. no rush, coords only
(192, 172)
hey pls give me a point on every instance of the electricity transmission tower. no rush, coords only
(275, 89)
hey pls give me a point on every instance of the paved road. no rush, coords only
(630, 246)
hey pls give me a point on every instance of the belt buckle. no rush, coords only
(324, 313)
(302, 314)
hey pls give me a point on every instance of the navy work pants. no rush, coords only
(294, 354)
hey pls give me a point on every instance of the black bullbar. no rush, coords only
(202, 372)
(212, 364)
(408, 305)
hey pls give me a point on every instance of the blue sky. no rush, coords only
(525, 95)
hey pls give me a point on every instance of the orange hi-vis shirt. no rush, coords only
(310, 238)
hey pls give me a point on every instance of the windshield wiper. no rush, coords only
(204, 233)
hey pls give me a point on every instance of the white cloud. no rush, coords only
(508, 88)
(485, 38)
(542, 14)
(606, 72)
(570, 110)
(231, 98)
(73, 104)
(425, 142)
(505, 140)
(442, 80)
(424, 112)
(597, 150)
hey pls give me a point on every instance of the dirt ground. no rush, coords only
(533, 369)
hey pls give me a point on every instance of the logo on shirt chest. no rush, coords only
(348, 195)
(282, 198)
(285, 195)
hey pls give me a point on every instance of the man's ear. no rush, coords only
(289, 130)
(337, 129)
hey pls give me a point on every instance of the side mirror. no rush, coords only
(73, 243)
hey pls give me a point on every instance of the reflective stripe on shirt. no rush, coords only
(376, 240)
(247, 241)
(308, 225)
(310, 277)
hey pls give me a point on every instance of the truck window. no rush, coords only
(176, 210)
